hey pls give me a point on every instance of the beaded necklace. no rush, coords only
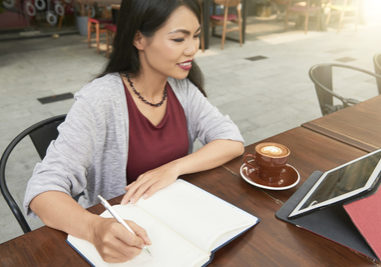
(142, 98)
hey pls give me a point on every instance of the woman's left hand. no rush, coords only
(150, 182)
(209, 156)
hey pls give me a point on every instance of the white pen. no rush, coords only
(119, 219)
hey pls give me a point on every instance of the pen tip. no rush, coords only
(148, 251)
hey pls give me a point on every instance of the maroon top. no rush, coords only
(151, 146)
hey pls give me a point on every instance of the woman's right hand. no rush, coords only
(114, 242)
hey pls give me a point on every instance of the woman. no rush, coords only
(135, 126)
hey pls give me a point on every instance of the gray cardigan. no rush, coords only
(91, 151)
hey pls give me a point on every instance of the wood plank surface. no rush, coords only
(310, 151)
(358, 126)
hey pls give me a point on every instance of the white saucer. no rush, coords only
(251, 178)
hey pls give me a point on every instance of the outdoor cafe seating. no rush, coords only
(261, 84)
(322, 77)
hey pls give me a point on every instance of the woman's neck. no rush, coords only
(150, 86)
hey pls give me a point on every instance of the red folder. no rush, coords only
(365, 213)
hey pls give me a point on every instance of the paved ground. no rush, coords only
(264, 97)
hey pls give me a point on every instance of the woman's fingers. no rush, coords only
(118, 251)
(137, 189)
(152, 190)
(131, 189)
(139, 231)
(125, 236)
(115, 243)
(150, 182)
(141, 190)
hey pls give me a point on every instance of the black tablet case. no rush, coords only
(331, 222)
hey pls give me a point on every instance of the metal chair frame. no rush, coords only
(321, 76)
(41, 133)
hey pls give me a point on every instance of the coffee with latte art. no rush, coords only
(272, 150)
(268, 161)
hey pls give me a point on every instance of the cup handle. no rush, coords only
(252, 163)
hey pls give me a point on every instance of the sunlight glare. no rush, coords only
(372, 11)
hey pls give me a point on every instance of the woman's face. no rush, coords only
(170, 51)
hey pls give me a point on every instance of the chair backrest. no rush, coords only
(41, 134)
(321, 76)
(377, 69)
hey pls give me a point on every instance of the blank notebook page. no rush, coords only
(197, 215)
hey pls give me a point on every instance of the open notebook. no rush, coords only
(185, 224)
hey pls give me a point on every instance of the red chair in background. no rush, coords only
(228, 18)
(96, 25)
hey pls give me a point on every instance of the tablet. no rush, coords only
(341, 183)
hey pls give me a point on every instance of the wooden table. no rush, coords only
(270, 243)
(310, 151)
(358, 126)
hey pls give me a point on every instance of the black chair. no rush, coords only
(377, 69)
(321, 76)
(41, 134)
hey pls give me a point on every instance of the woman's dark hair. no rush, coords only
(146, 16)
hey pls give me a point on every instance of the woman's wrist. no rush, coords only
(177, 166)
(92, 226)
